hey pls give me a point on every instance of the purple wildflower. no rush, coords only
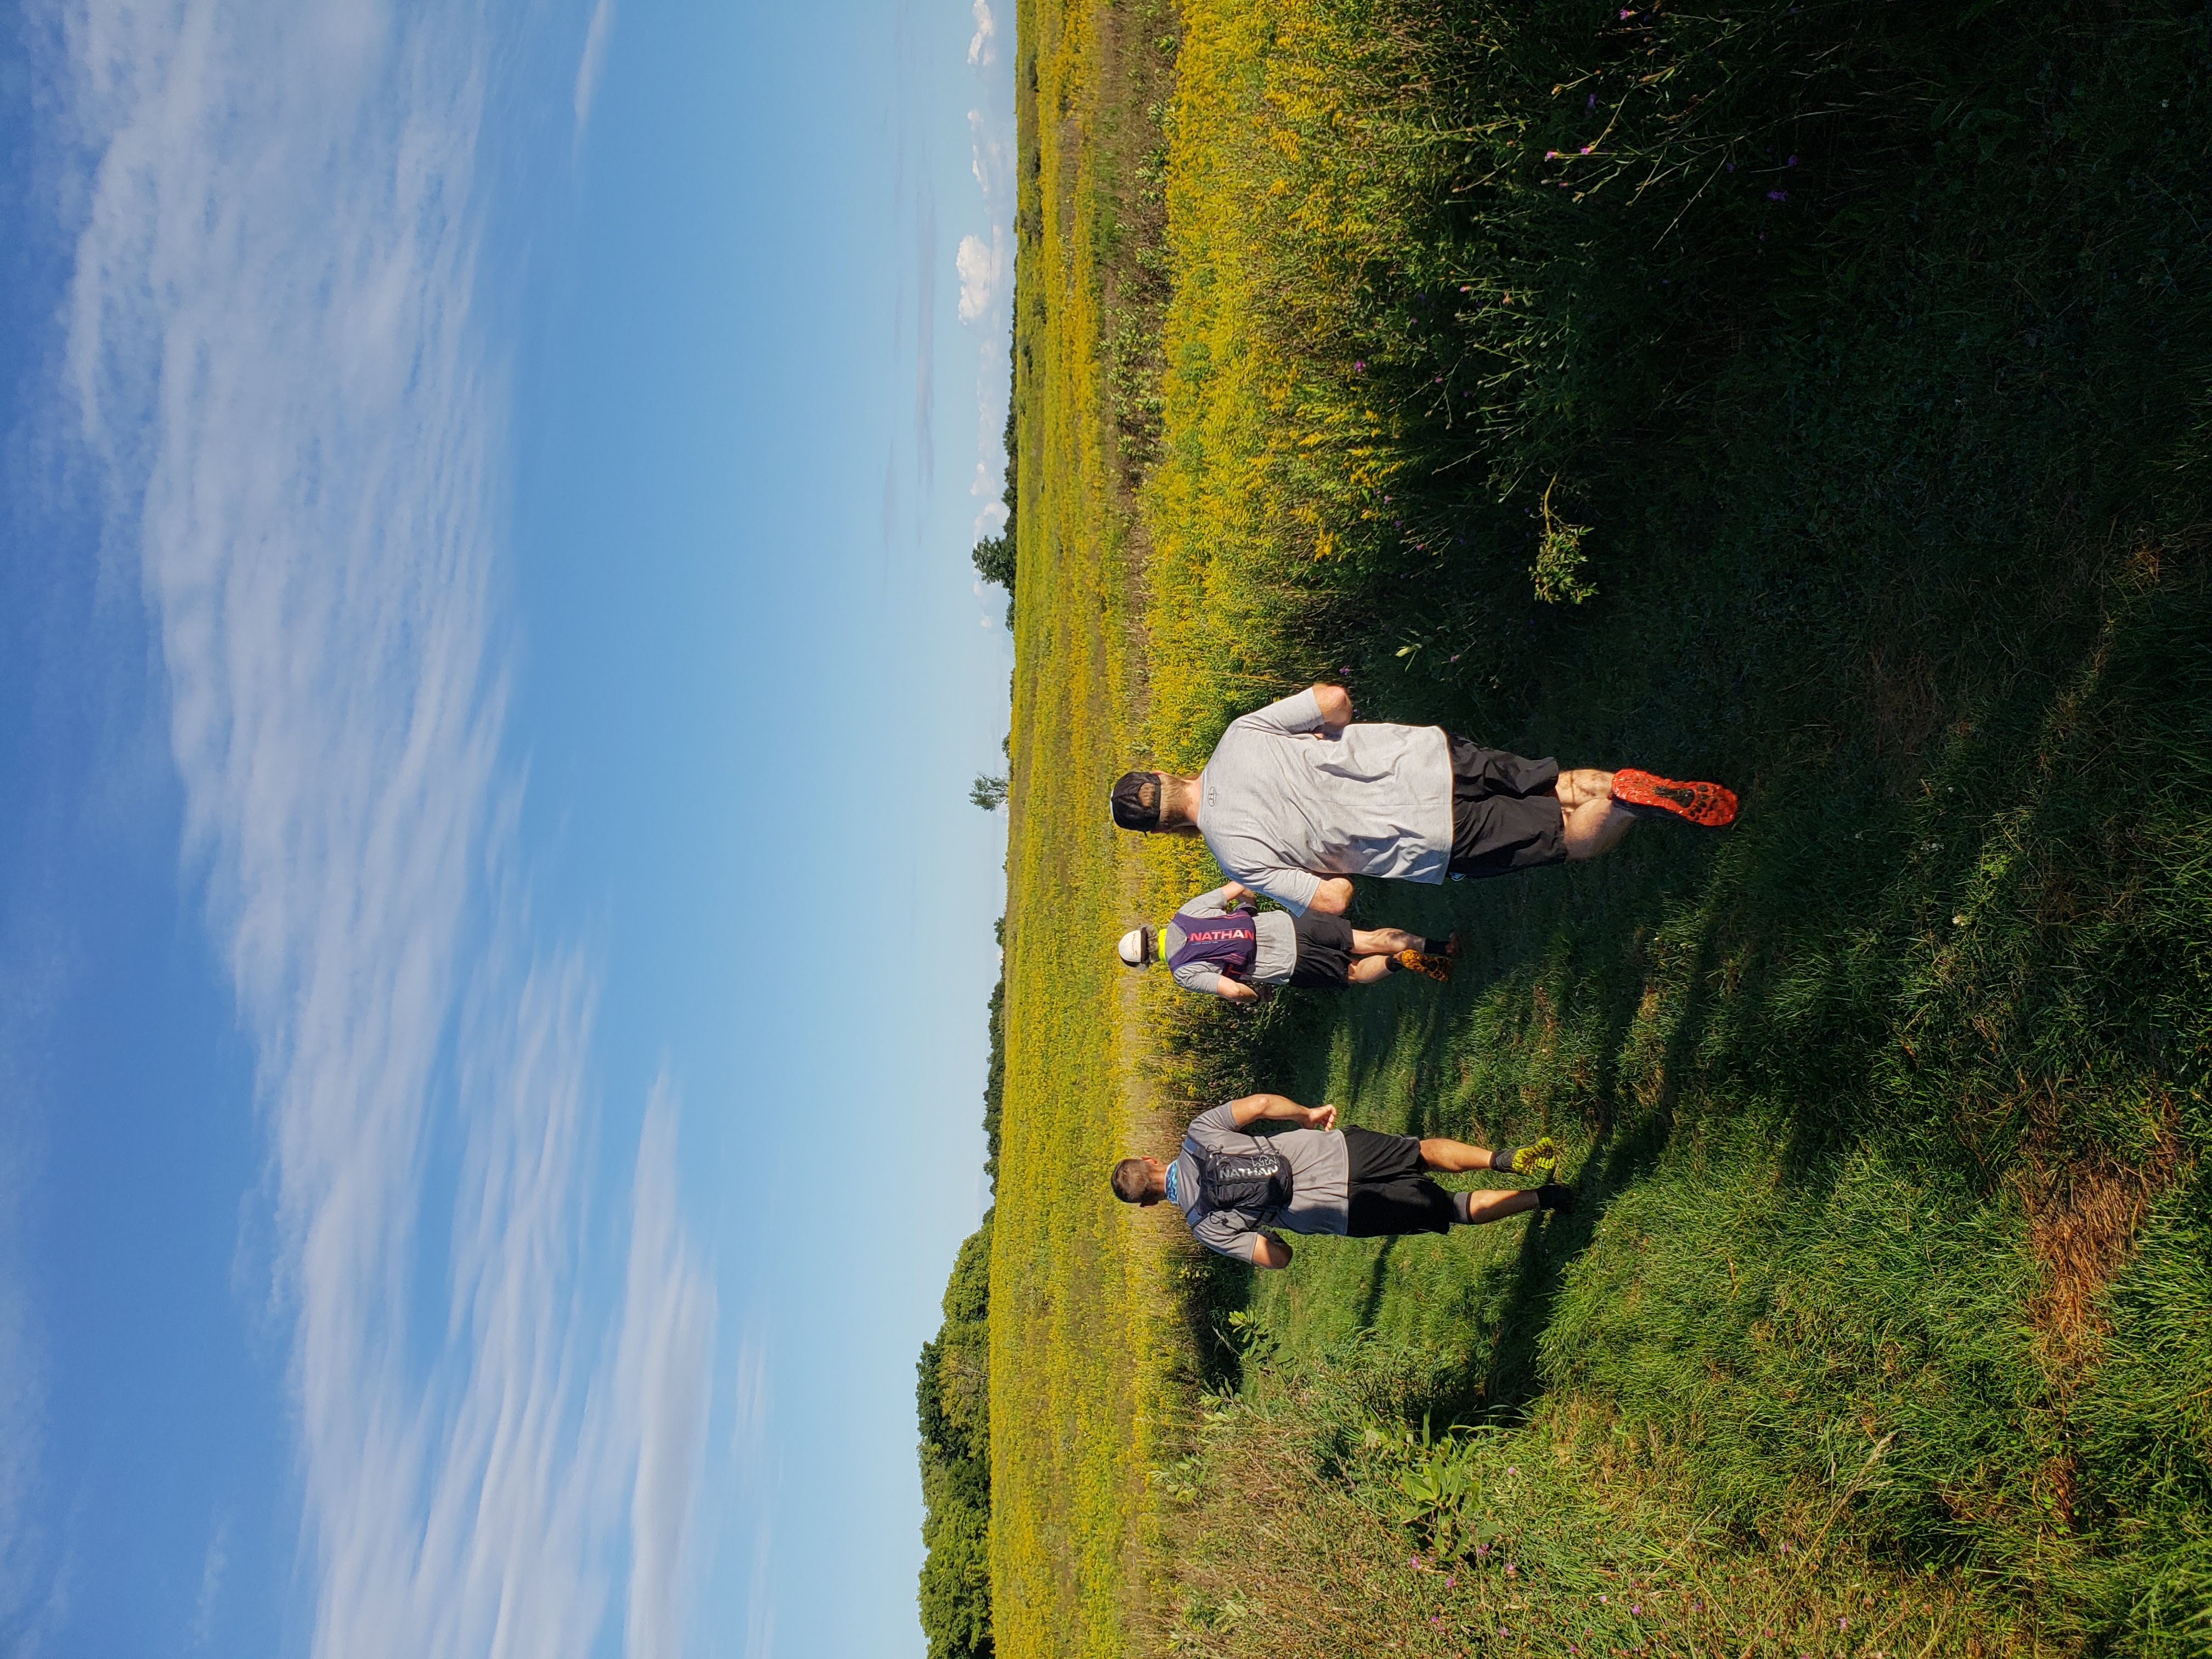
(1549, 156)
(1730, 165)
(1359, 365)
(1593, 102)
(1587, 148)
(1777, 195)
(1791, 162)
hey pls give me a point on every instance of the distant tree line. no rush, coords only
(952, 1402)
(995, 555)
(952, 1399)
(995, 563)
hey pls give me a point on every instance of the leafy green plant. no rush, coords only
(1439, 1486)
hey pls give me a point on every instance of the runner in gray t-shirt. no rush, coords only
(1256, 950)
(1296, 798)
(1351, 1181)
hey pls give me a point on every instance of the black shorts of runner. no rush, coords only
(1505, 815)
(1390, 1194)
(1324, 952)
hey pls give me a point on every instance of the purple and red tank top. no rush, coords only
(1227, 944)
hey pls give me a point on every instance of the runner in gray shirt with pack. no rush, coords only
(1237, 1189)
(1296, 798)
(1219, 944)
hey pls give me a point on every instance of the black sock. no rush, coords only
(1391, 964)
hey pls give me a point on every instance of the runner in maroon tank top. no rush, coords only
(1217, 944)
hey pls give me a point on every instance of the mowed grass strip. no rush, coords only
(1077, 1358)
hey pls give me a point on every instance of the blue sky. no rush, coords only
(493, 939)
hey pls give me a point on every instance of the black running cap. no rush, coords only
(1132, 809)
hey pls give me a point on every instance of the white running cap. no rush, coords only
(1131, 948)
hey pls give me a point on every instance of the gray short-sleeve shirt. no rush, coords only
(1282, 798)
(1275, 959)
(1321, 1182)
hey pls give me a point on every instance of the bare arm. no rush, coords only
(1282, 1109)
(1332, 898)
(1231, 990)
(1335, 705)
(1270, 1252)
(1235, 892)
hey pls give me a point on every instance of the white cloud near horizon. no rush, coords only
(275, 358)
(983, 47)
(978, 265)
(986, 269)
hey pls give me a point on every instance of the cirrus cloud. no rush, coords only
(278, 365)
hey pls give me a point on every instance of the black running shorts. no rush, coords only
(1506, 815)
(1390, 1194)
(1324, 952)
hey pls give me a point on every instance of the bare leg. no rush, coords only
(1382, 941)
(1438, 1153)
(1368, 969)
(1590, 823)
(1497, 1206)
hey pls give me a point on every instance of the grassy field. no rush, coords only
(1811, 397)
(1078, 1362)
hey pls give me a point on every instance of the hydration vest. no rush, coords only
(1256, 1183)
(1228, 943)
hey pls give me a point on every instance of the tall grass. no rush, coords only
(1833, 423)
(1327, 1527)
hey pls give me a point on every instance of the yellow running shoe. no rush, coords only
(1541, 1158)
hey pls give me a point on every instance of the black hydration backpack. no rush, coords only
(1256, 1183)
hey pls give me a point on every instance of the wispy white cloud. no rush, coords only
(23, 1426)
(667, 1345)
(275, 354)
(925, 348)
(593, 60)
(750, 1405)
(213, 1568)
(40, 966)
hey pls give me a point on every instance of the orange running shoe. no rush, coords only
(1439, 969)
(1705, 803)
